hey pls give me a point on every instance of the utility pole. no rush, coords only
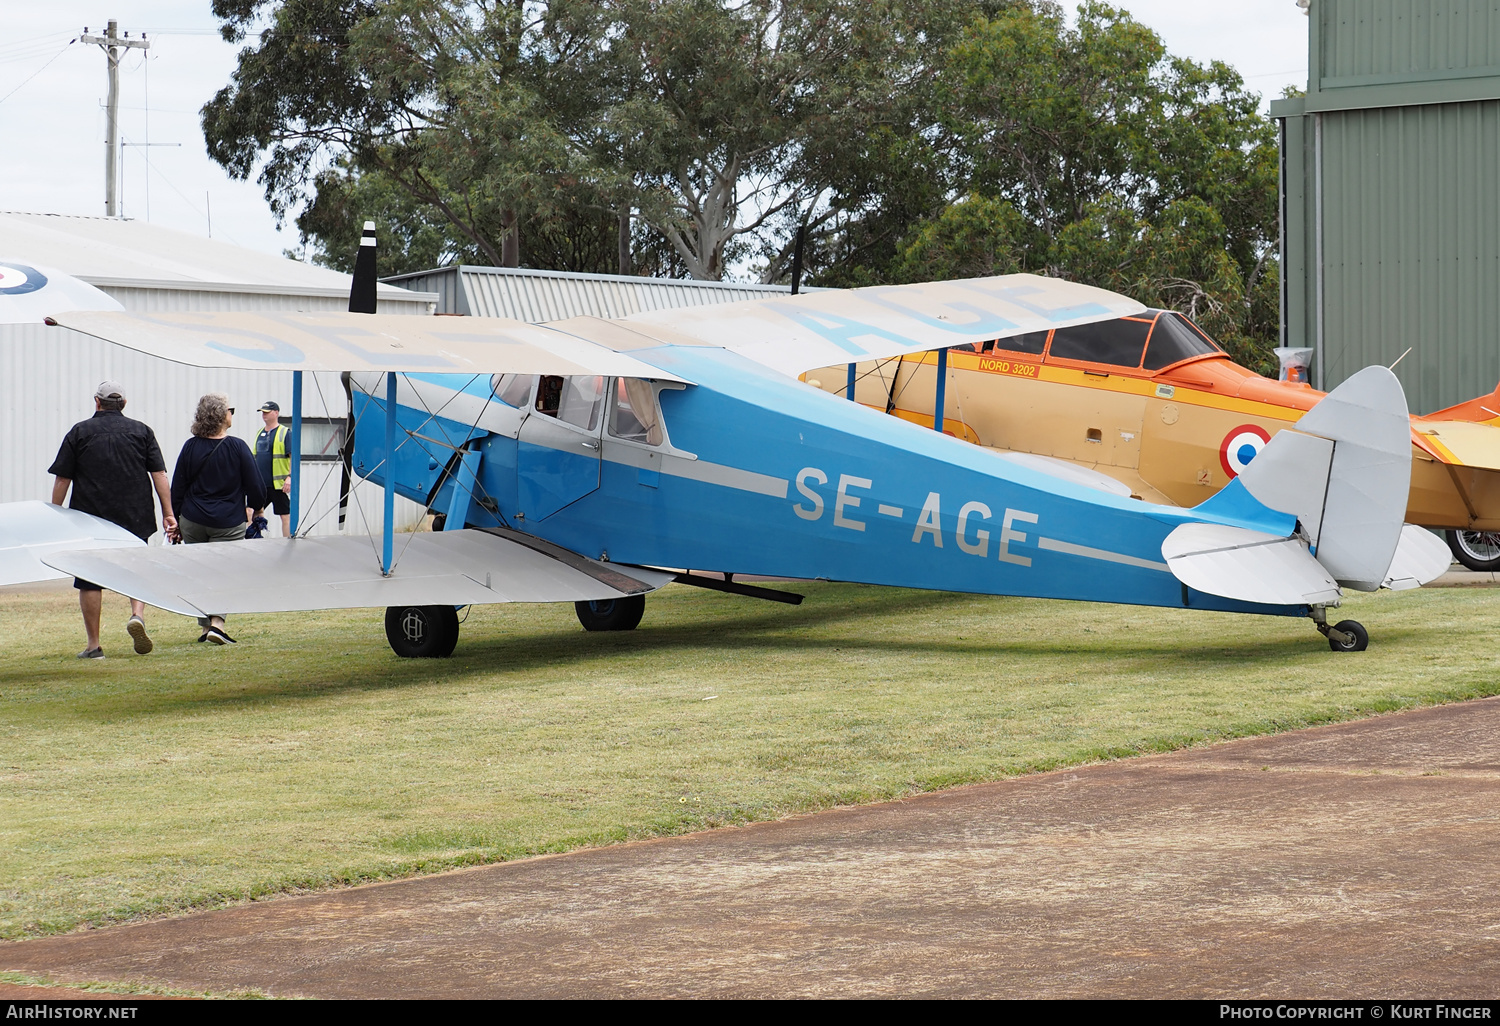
(111, 43)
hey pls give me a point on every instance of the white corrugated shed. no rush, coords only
(48, 375)
(539, 296)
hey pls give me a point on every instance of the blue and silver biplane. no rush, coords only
(594, 461)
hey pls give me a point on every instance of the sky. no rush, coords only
(52, 95)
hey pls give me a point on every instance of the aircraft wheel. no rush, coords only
(421, 632)
(621, 614)
(1360, 638)
(1477, 550)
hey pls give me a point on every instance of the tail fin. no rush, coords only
(1344, 474)
(362, 289)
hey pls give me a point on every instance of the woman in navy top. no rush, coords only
(215, 488)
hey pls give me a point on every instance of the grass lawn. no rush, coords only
(310, 756)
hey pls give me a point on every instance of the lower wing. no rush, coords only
(459, 568)
(33, 530)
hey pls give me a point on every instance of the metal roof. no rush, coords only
(118, 253)
(530, 295)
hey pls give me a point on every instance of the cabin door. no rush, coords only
(557, 450)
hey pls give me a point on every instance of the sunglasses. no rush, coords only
(231, 410)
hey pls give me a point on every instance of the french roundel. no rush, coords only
(18, 279)
(1240, 446)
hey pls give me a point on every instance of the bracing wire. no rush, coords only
(430, 417)
(303, 532)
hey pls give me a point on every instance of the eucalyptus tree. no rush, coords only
(1086, 150)
(464, 107)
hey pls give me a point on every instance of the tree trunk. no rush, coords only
(510, 241)
(626, 264)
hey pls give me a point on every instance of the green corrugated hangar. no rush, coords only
(1390, 172)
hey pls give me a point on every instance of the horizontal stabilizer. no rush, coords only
(32, 530)
(458, 568)
(1236, 563)
(1420, 557)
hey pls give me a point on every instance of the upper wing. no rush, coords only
(789, 335)
(356, 342)
(33, 530)
(1462, 443)
(457, 568)
(798, 333)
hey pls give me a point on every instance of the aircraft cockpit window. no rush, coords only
(548, 394)
(636, 417)
(1174, 340)
(1033, 342)
(1118, 342)
(582, 396)
(512, 389)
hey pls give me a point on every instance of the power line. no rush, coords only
(29, 39)
(38, 71)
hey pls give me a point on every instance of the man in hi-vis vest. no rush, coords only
(275, 464)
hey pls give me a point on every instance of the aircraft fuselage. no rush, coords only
(757, 474)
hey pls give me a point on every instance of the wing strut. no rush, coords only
(941, 400)
(390, 475)
(296, 449)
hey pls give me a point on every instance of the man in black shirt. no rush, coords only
(112, 463)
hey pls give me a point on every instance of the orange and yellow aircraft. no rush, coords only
(1154, 404)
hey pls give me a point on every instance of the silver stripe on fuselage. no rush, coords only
(1053, 545)
(694, 469)
(728, 477)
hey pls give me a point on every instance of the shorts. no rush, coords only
(196, 534)
(82, 585)
(281, 502)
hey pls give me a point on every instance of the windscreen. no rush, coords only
(1118, 342)
(512, 389)
(1176, 339)
(1033, 342)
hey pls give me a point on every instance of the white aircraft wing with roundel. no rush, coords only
(275, 575)
(794, 334)
(31, 531)
(28, 293)
(333, 341)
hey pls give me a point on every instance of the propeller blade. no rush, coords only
(362, 289)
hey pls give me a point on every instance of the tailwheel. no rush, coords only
(1477, 550)
(421, 632)
(621, 614)
(1348, 636)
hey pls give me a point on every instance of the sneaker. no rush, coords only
(91, 653)
(203, 637)
(218, 637)
(136, 628)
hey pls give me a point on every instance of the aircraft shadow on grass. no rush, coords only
(760, 632)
